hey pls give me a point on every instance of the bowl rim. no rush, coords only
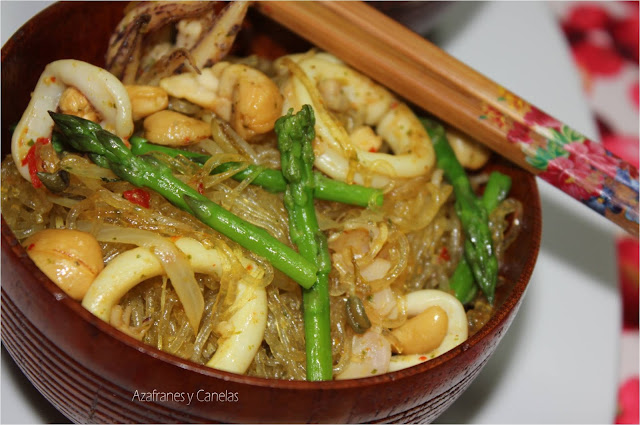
(501, 313)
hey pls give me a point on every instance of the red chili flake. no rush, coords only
(33, 162)
(30, 247)
(249, 267)
(422, 358)
(394, 104)
(200, 188)
(138, 197)
(444, 254)
(373, 150)
(30, 161)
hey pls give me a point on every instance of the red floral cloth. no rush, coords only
(604, 42)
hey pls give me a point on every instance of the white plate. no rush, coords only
(558, 362)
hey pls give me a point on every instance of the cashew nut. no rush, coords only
(422, 333)
(146, 100)
(73, 102)
(243, 96)
(70, 258)
(171, 128)
(457, 329)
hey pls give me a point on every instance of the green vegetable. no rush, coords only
(267, 178)
(107, 150)
(325, 188)
(295, 137)
(496, 190)
(141, 146)
(56, 182)
(57, 144)
(357, 315)
(462, 282)
(478, 245)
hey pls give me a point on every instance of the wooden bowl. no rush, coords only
(92, 373)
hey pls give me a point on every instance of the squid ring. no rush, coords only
(237, 348)
(457, 331)
(413, 154)
(105, 92)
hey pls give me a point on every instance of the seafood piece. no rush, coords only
(370, 355)
(243, 96)
(70, 258)
(457, 329)
(139, 50)
(169, 64)
(125, 46)
(470, 153)
(123, 58)
(362, 244)
(200, 88)
(356, 241)
(216, 43)
(385, 303)
(104, 91)
(336, 154)
(376, 270)
(241, 335)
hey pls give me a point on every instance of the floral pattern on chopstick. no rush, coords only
(567, 159)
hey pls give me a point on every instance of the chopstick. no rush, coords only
(431, 79)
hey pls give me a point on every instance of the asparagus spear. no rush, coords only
(478, 246)
(295, 135)
(325, 188)
(462, 282)
(107, 150)
(141, 146)
(496, 190)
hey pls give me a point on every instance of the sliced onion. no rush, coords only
(174, 262)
